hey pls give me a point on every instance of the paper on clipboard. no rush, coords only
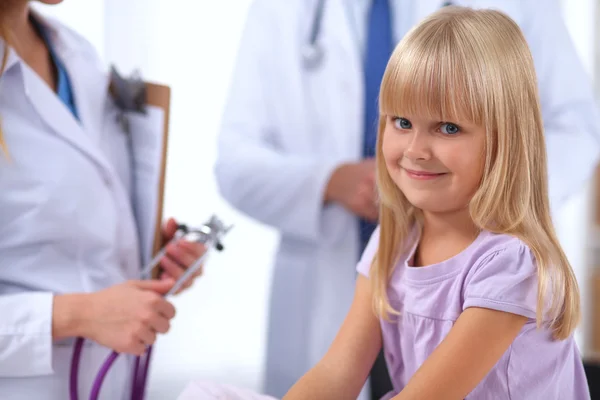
(213, 391)
(149, 139)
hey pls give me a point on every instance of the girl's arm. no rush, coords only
(343, 371)
(474, 345)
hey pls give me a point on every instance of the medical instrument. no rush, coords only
(312, 51)
(129, 95)
(210, 234)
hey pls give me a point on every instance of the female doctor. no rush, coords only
(69, 251)
(298, 134)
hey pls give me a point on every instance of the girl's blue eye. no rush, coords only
(449, 129)
(402, 123)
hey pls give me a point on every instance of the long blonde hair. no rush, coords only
(475, 65)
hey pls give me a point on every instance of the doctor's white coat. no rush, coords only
(66, 219)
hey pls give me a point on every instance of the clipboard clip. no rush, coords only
(129, 95)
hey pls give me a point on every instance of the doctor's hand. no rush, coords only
(127, 317)
(353, 186)
(180, 255)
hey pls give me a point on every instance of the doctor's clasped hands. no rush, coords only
(127, 317)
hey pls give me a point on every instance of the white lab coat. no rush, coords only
(286, 128)
(66, 219)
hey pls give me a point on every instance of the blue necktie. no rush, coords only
(378, 51)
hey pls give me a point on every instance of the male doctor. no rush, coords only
(298, 138)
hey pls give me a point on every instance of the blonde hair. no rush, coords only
(475, 65)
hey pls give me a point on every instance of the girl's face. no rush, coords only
(438, 165)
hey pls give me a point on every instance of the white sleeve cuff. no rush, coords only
(26, 335)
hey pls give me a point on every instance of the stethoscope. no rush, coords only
(210, 234)
(312, 51)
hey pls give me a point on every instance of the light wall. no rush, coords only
(574, 222)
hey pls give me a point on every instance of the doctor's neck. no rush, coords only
(17, 29)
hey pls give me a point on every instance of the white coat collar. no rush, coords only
(339, 37)
(90, 88)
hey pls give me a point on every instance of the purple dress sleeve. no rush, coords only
(505, 280)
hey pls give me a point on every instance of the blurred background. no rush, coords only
(219, 332)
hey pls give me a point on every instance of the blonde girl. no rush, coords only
(464, 283)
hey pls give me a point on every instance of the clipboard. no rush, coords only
(149, 138)
(160, 96)
(594, 342)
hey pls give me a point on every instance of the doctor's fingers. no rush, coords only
(366, 169)
(368, 186)
(146, 335)
(193, 248)
(368, 194)
(169, 266)
(149, 325)
(161, 325)
(369, 208)
(187, 284)
(154, 304)
(133, 346)
(162, 309)
(371, 213)
(169, 229)
(172, 267)
(185, 253)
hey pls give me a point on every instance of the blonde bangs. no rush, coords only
(431, 74)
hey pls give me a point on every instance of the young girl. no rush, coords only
(473, 296)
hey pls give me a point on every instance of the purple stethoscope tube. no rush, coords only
(140, 373)
(210, 235)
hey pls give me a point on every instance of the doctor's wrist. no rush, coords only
(333, 188)
(67, 312)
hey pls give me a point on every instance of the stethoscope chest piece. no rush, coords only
(312, 55)
(312, 51)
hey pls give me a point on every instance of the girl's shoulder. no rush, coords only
(500, 251)
(502, 276)
(498, 271)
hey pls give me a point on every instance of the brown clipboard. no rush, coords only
(160, 96)
(594, 286)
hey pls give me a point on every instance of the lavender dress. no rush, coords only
(495, 272)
